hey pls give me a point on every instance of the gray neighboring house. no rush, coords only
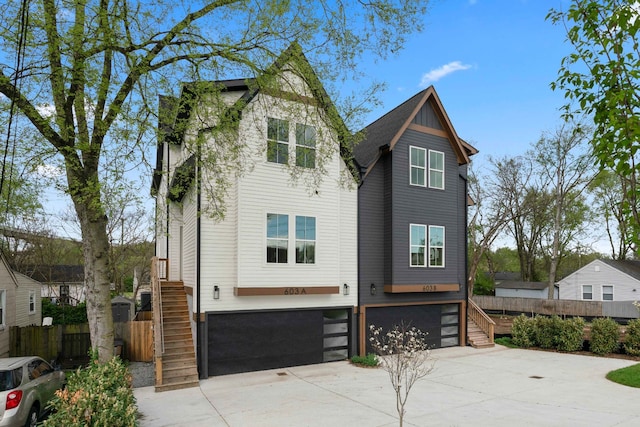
(603, 280)
(520, 289)
(20, 303)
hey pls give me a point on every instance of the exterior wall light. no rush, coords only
(216, 292)
(373, 289)
(345, 289)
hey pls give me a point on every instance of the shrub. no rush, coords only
(571, 335)
(64, 315)
(604, 336)
(547, 331)
(368, 360)
(99, 395)
(522, 331)
(632, 342)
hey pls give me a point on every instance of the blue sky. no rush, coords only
(491, 63)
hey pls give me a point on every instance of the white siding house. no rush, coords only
(603, 280)
(273, 281)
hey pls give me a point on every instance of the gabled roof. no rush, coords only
(386, 131)
(181, 109)
(629, 267)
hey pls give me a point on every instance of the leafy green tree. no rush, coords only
(89, 73)
(600, 79)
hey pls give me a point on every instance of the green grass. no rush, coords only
(626, 376)
(505, 341)
(368, 360)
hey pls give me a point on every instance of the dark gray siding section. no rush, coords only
(371, 232)
(423, 205)
(427, 117)
(462, 224)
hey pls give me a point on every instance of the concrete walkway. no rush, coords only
(468, 387)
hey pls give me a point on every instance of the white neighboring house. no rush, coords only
(273, 283)
(20, 303)
(603, 280)
(520, 289)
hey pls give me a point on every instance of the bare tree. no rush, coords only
(404, 355)
(566, 168)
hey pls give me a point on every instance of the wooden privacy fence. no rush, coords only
(615, 309)
(73, 341)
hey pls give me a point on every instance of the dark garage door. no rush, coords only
(243, 342)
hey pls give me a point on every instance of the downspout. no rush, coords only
(166, 234)
(466, 255)
(199, 362)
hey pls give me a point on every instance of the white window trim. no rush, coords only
(267, 238)
(602, 292)
(426, 254)
(32, 293)
(444, 245)
(313, 147)
(436, 170)
(277, 141)
(582, 293)
(296, 240)
(423, 151)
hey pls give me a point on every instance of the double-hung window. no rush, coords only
(277, 238)
(305, 240)
(587, 292)
(418, 241)
(277, 141)
(32, 302)
(436, 169)
(607, 292)
(305, 146)
(436, 246)
(417, 164)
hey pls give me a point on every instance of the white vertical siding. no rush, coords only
(599, 274)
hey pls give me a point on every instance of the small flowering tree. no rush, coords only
(403, 354)
(637, 304)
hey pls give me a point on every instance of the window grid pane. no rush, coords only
(277, 141)
(418, 245)
(436, 169)
(277, 238)
(305, 146)
(587, 292)
(418, 168)
(436, 246)
(305, 239)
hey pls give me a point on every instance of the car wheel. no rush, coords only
(32, 419)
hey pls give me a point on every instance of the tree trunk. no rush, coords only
(95, 249)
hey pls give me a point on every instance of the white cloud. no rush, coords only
(438, 73)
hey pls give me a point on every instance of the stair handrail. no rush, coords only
(159, 271)
(484, 322)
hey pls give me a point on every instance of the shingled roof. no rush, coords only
(630, 267)
(386, 131)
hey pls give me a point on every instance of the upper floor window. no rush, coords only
(305, 146)
(418, 242)
(436, 246)
(32, 302)
(277, 238)
(436, 169)
(587, 292)
(607, 293)
(305, 240)
(277, 141)
(417, 165)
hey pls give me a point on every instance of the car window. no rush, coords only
(10, 379)
(38, 368)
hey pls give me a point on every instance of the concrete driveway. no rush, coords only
(468, 387)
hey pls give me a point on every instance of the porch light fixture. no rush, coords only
(216, 292)
(373, 289)
(345, 289)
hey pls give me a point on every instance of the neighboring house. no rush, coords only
(603, 280)
(20, 303)
(412, 228)
(62, 284)
(520, 289)
(274, 282)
